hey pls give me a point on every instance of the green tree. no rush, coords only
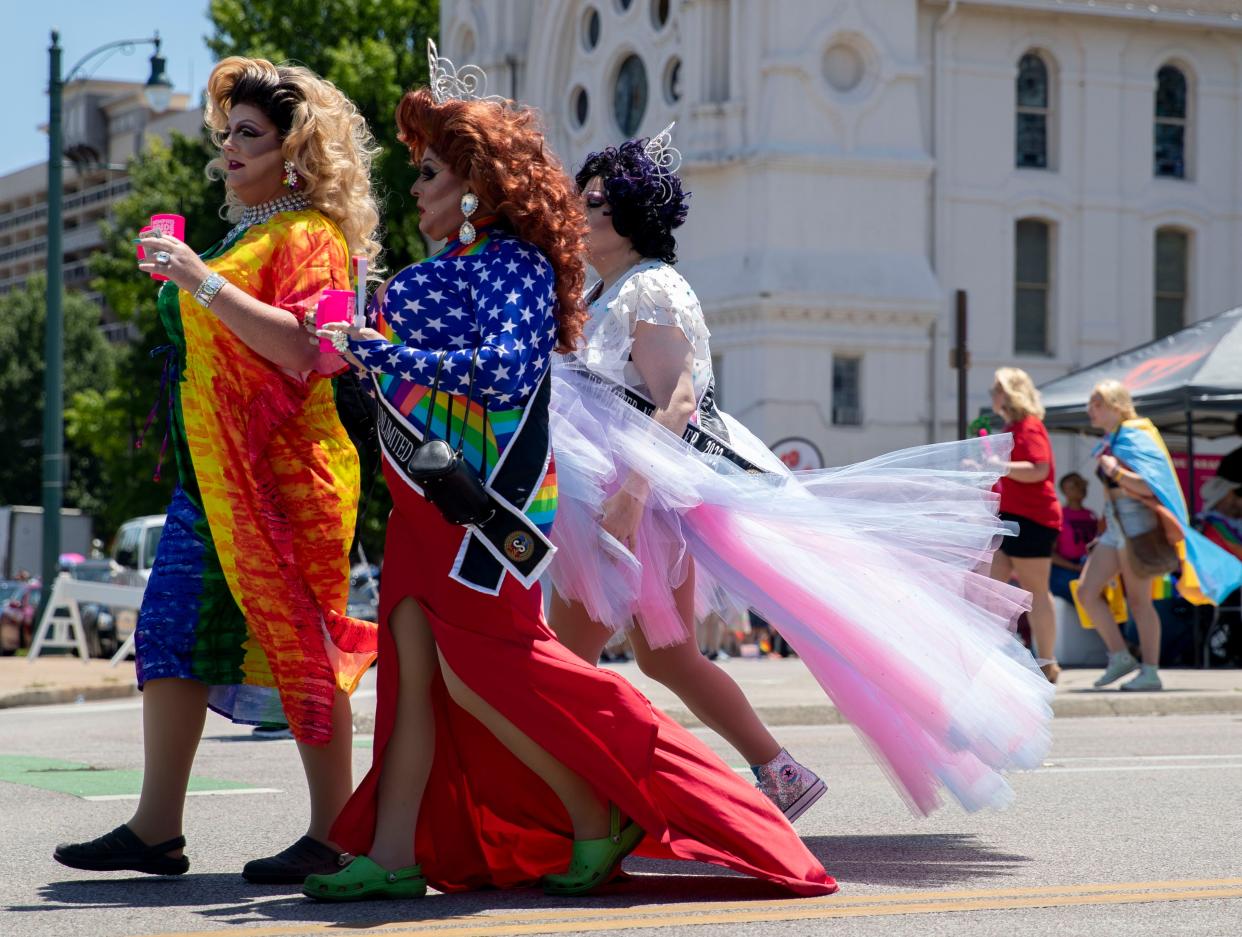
(89, 367)
(373, 50)
(108, 421)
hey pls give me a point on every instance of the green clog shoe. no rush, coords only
(365, 880)
(596, 861)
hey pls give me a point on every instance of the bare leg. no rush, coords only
(1102, 565)
(588, 812)
(407, 760)
(173, 714)
(329, 770)
(576, 629)
(1138, 597)
(708, 691)
(1002, 567)
(1033, 574)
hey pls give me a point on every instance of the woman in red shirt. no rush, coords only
(1028, 497)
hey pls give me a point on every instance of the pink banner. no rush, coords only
(1205, 467)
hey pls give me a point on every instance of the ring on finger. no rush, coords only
(163, 258)
(340, 341)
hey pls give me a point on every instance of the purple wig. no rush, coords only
(647, 202)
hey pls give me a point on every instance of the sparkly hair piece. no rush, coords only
(667, 159)
(449, 83)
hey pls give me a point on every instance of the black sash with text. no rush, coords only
(508, 539)
(713, 442)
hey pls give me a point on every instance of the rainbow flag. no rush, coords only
(1223, 534)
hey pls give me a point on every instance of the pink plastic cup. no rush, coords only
(165, 224)
(334, 306)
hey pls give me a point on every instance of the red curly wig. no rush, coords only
(500, 150)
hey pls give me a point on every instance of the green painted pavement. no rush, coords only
(87, 781)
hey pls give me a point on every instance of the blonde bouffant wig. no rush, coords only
(1021, 397)
(321, 133)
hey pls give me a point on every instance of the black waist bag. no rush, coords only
(443, 473)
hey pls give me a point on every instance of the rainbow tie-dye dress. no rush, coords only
(251, 578)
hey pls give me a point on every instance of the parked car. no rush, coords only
(363, 592)
(134, 548)
(18, 602)
(98, 621)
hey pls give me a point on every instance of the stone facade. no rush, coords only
(854, 163)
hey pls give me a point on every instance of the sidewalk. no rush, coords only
(781, 690)
(62, 678)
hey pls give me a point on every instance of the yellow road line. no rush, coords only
(599, 920)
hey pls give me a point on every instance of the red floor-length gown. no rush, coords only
(486, 819)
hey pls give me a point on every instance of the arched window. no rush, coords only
(1033, 97)
(1032, 286)
(1172, 115)
(1172, 266)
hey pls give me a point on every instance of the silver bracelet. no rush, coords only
(208, 289)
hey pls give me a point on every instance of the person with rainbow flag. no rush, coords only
(1144, 497)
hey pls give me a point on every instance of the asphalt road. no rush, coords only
(1132, 828)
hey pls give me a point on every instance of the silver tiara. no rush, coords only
(449, 83)
(667, 159)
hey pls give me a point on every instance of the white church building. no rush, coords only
(1075, 166)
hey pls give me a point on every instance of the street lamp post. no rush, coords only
(158, 93)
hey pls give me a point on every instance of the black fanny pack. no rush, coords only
(442, 471)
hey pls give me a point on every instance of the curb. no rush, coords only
(55, 695)
(1073, 704)
(1081, 704)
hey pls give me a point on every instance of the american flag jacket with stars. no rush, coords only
(487, 307)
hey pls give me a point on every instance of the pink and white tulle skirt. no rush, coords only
(875, 573)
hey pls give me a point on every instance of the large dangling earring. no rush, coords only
(469, 205)
(292, 179)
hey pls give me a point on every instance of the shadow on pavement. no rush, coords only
(902, 861)
(147, 891)
(225, 899)
(912, 861)
(906, 860)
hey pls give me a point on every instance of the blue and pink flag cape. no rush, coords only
(1208, 573)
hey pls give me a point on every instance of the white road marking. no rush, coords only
(1143, 758)
(222, 793)
(131, 703)
(1049, 770)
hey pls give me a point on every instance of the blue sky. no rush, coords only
(83, 26)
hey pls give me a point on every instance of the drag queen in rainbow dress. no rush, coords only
(245, 609)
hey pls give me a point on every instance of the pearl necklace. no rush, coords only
(257, 214)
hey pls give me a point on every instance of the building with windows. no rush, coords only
(105, 124)
(1075, 166)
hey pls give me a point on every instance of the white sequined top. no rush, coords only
(650, 291)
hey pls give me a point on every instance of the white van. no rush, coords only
(135, 544)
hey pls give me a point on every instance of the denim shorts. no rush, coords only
(1138, 517)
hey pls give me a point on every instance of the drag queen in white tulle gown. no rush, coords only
(876, 573)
